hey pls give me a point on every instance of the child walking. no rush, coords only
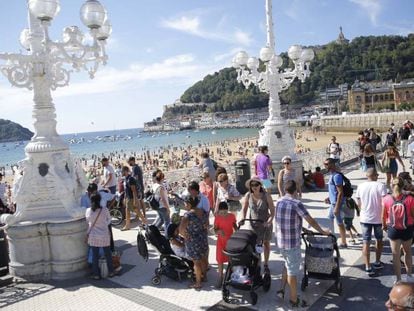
(224, 226)
(349, 213)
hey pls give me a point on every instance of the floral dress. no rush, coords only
(196, 243)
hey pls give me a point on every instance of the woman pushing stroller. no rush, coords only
(259, 204)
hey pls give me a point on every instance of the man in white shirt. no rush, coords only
(334, 150)
(369, 195)
(109, 176)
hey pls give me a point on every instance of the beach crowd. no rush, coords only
(212, 204)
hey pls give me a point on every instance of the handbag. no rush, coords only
(116, 259)
(89, 231)
(386, 163)
(103, 267)
(378, 166)
(267, 183)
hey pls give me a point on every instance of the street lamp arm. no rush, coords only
(18, 69)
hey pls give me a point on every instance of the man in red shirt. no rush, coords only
(318, 178)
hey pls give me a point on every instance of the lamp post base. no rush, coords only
(280, 140)
(48, 251)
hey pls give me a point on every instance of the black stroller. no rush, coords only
(243, 269)
(320, 260)
(170, 265)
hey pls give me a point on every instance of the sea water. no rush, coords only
(84, 145)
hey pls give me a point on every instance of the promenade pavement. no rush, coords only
(132, 289)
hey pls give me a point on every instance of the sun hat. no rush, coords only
(253, 179)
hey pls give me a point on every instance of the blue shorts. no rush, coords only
(367, 232)
(340, 217)
(292, 259)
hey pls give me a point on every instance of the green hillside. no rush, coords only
(10, 131)
(364, 58)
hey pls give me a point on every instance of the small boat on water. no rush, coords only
(213, 132)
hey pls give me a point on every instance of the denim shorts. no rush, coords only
(340, 217)
(367, 231)
(292, 259)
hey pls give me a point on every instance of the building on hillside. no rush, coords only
(330, 95)
(374, 96)
(341, 37)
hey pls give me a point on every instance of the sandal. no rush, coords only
(298, 304)
(195, 286)
(281, 293)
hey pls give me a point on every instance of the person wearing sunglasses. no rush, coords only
(401, 297)
(258, 202)
(288, 173)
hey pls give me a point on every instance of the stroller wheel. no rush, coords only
(253, 297)
(116, 217)
(304, 283)
(226, 294)
(267, 281)
(156, 280)
(338, 287)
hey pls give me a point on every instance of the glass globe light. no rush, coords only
(105, 31)
(92, 14)
(276, 61)
(45, 10)
(241, 58)
(307, 55)
(234, 64)
(295, 52)
(24, 39)
(72, 34)
(266, 53)
(252, 63)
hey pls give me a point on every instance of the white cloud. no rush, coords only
(192, 25)
(371, 7)
(227, 56)
(185, 24)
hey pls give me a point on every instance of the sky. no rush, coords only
(159, 48)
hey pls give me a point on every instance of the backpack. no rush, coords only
(347, 186)
(152, 200)
(398, 214)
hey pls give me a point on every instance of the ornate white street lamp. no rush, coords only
(46, 232)
(276, 134)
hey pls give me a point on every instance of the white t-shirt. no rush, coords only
(334, 150)
(370, 193)
(109, 170)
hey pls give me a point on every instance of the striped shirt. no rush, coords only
(288, 222)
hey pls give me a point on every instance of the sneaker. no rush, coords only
(352, 242)
(370, 272)
(378, 265)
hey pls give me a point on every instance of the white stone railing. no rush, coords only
(315, 158)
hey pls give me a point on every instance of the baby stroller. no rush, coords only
(243, 269)
(320, 260)
(169, 264)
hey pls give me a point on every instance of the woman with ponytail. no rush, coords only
(398, 221)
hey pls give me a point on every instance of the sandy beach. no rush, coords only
(180, 164)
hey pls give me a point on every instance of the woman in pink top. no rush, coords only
(206, 188)
(98, 219)
(399, 226)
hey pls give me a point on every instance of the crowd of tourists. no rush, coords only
(381, 208)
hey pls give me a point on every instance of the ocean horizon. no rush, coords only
(84, 145)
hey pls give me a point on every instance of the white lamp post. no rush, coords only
(46, 232)
(276, 133)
